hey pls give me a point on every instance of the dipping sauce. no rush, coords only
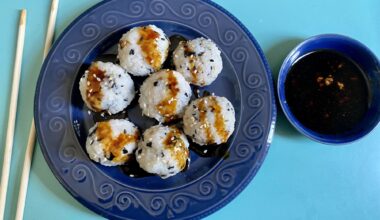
(327, 92)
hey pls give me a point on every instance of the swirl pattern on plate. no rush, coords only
(199, 197)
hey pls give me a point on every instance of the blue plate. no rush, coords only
(62, 121)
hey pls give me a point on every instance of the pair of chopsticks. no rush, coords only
(12, 117)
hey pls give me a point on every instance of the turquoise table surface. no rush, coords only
(300, 179)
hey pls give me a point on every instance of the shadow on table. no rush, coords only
(276, 55)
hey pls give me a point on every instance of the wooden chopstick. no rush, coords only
(12, 112)
(32, 132)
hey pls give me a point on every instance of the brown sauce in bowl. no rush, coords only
(327, 92)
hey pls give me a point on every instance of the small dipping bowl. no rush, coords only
(358, 53)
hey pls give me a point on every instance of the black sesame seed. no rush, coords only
(162, 38)
(171, 172)
(139, 151)
(188, 53)
(187, 95)
(122, 86)
(228, 109)
(131, 52)
(111, 156)
(91, 142)
(201, 53)
(125, 100)
(149, 144)
(187, 68)
(211, 67)
(125, 151)
(155, 83)
(162, 154)
(170, 167)
(113, 85)
(211, 60)
(119, 75)
(125, 131)
(193, 136)
(194, 106)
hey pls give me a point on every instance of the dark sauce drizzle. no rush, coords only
(131, 167)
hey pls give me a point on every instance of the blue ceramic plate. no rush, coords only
(212, 180)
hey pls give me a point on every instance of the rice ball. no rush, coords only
(112, 142)
(164, 95)
(209, 120)
(199, 61)
(163, 151)
(143, 50)
(106, 87)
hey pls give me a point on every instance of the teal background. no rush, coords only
(300, 179)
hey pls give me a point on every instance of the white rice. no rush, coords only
(133, 58)
(203, 130)
(199, 60)
(156, 95)
(117, 88)
(156, 156)
(96, 146)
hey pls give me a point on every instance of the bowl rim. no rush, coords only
(282, 74)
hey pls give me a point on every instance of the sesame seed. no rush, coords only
(89, 112)
(205, 151)
(131, 175)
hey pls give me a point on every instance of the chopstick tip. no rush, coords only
(23, 17)
(54, 5)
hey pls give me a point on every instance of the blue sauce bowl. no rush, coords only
(363, 57)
